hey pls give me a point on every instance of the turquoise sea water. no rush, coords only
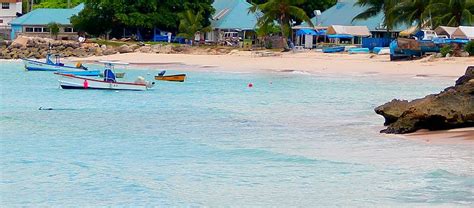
(291, 140)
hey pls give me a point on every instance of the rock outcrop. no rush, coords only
(35, 47)
(451, 108)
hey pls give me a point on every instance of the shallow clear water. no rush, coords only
(291, 140)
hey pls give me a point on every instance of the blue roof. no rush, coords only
(306, 32)
(45, 16)
(233, 14)
(344, 11)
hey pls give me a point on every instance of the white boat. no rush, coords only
(69, 81)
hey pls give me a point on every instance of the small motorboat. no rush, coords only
(333, 49)
(49, 65)
(68, 81)
(171, 78)
(359, 50)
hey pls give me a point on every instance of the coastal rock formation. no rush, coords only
(35, 47)
(451, 108)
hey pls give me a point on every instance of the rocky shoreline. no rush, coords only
(451, 108)
(33, 47)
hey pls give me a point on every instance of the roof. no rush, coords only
(443, 30)
(348, 30)
(304, 31)
(464, 32)
(344, 11)
(233, 14)
(45, 16)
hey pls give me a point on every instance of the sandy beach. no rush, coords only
(310, 62)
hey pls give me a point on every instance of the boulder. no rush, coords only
(109, 51)
(451, 108)
(124, 49)
(145, 49)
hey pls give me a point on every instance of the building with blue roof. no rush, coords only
(344, 12)
(231, 17)
(35, 23)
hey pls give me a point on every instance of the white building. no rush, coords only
(8, 11)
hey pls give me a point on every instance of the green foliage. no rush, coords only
(308, 7)
(470, 48)
(446, 49)
(265, 30)
(102, 16)
(57, 3)
(452, 12)
(54, 29)
(190, 23)
(282, 11)
(422, 12)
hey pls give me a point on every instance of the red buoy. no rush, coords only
(86, 84)
(250, 85)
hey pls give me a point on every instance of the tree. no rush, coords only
(54, 29)
(374, 7)
(452, 12)
(308, 7)
(100, 16)
(190, 24)
(412, 11)
(282, 11)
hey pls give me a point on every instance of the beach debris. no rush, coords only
(451, 108)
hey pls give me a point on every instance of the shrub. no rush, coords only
(470, 48)
(446, 49)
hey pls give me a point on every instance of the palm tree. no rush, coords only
(411, 11)
(190, 24)
(374, 7)
(54, 29)
(452, 12)
(282, 11)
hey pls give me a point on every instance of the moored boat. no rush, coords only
(69, 81)
(49, 65)
(359, 50)
(333, 49)
(172, 78)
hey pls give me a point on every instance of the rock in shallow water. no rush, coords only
(451, 108)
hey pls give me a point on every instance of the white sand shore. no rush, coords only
(310, 62)
(453, 136)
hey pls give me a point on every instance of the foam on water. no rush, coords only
(291, 140)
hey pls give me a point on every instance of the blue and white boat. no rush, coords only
(333, 49)
(49, 65)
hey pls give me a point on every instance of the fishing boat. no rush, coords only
(333, 49)
(109, 82)
(171, 78)
(359, 50)
(49, 65)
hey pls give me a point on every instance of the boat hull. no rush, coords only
(67, 81)
(81, 73)
(31, 65)
(172, 78)
(333, 49)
